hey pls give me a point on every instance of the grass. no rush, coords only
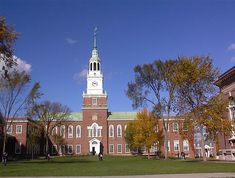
(111, 165)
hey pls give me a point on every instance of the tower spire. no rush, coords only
(95, 31)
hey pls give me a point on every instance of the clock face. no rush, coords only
(94, 83)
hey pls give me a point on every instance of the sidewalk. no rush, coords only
(196, 175)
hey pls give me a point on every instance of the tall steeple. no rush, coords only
(94, 74)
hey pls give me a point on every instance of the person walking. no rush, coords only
(4, 158)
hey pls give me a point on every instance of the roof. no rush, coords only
(225, 76)
(75, 116)
(122, 116)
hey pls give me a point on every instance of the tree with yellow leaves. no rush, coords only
(145, 132)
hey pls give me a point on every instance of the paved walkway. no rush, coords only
(196, 175)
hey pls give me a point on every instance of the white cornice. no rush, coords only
(228, 88)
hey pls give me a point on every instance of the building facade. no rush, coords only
(226, 83)
(95, 128)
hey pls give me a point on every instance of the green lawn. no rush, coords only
(111, 165)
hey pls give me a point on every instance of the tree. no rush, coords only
(150, 81)
(59, 140)
(194, 79)
(144, 131)
(168, 73)
(50, 115)
(15, 98)
(129, 134)
(32, 140)
(7, 39)
(214, 119)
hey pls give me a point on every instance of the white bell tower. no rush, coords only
(94, 74)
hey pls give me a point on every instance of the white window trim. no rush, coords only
(71, 149)
(110, 149)
(21, 127)
(78, 134)
(169, 145)
(119, 127)
(9, 129)
(174, 129)
(127, 150)
(98, 130)
(77, 149)
(94, 101)
(62, 127)
(111, 127)
(176, 142)
(120, 147)
(70, 135)
(185, 144)
(167, 126)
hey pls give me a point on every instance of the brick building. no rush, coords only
(96, 128)
(226, 83)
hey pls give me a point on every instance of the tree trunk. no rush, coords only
(32, 152)
(165, 143)
(203, 145)
(4, 139)
(47, 151)
(148, 153)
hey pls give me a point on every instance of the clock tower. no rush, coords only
(94, 108)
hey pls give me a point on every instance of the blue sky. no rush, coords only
(56, 40)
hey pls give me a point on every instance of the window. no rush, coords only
(18, 148)
(91, 66)
(167, 126)
(9, 129)
(185, 126)
(94, 101)
(185, 145)
(54, 149)
(127, 148)
(70, 131)
(168, 145)
(119, 131)
(111, 148)
(78, 149)
(176, 145)
(94, 130)
(111, 131)
(18, 129)
(175, 127)
(98, 66)
(62, 149)
(62, 131)
(70, 149)
(54, 131)
(94, 65)
(119, 148)
(78, 131)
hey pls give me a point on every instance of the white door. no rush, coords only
(94, 145)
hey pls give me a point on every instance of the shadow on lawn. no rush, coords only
(55, 161)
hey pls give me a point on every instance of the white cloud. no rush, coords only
(80, 75)
(21, 65)
(231, 47)
(70, 41)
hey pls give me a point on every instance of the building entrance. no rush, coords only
(94, 146)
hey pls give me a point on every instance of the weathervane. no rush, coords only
(95, 31)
